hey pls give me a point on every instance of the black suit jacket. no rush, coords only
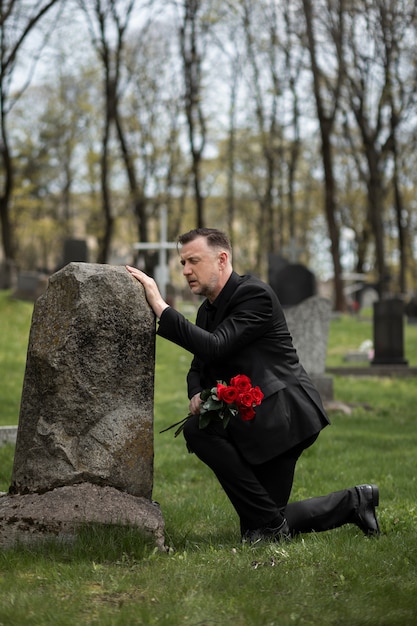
(245, 332)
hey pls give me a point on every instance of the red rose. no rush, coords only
(257, 395)
(241, 382)
(227, 394)
(246, 399)
(247, 414)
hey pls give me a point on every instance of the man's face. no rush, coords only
(202, 267)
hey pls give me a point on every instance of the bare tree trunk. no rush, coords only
(398, 105)
(20, 24)
(326, 123)
(192, 61)
(292, 74)
(379, 106)
(231, 150)
(8, 175)
(105, 238)
(376, 206)
(270, 136)
(402, 232)
(104, 15)
(136, 191)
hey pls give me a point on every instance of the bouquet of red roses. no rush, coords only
(224, 401)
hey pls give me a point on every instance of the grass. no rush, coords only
(15, 318)
(113, 576)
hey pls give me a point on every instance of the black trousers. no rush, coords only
(260, 493)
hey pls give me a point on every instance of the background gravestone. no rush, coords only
(292, 282)
(389, 332)
(87, 404)
(307, 315)
(410, 310)
(30, 285)
(75, 251)
(276, 263)
(308, 324)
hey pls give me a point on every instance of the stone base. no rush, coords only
(356, 356)
(391, 371)
(390, 361)
(324, 385)
(60, 512)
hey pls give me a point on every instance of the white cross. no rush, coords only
(161, 270)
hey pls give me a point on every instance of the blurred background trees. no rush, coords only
(290, 123)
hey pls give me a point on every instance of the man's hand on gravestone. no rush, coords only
(152, 292)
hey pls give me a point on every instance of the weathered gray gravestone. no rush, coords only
(86, 415)
(308, 323)
(30, 285)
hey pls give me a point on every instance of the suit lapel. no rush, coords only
(222, 301)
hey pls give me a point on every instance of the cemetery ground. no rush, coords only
(114, 576)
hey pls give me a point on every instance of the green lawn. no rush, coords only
(113, 576)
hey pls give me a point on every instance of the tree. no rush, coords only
(205, 107)
(266, 89)
(234, 57)
(108, 21)
(191, 36)
(151, 121)
(327, 85)
(54, 149)
(381, 90)
(17, 20)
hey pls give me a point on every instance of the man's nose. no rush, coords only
(186, 269)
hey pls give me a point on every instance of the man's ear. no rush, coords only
(223, 259)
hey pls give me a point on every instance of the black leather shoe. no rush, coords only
(365, 514)
(268, 533)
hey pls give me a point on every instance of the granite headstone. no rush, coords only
(86, 416)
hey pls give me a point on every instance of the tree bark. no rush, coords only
(326, 124)
(8, 55)
(192, 62)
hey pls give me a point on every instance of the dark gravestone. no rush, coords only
(293, 283)
(410, 310)
(75, 251)
(276, 263)
(388, 332)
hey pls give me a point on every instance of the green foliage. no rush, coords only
(113, 576)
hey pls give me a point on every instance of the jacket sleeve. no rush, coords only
(248, 314)
(193, 378)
